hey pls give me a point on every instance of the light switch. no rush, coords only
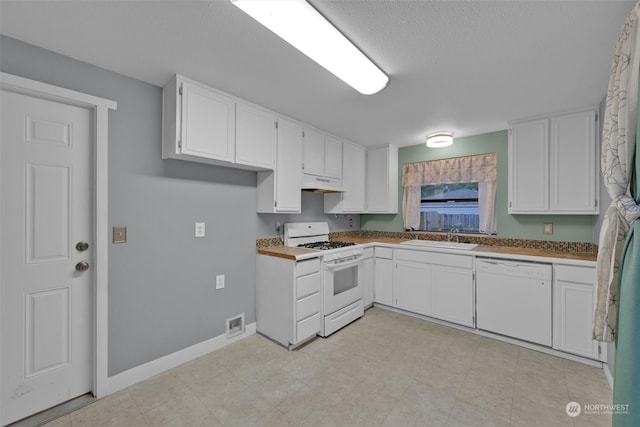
(547, 228)
(200, 229)
(119, 234)
(220, 281)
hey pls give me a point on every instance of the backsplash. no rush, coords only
(578, 247)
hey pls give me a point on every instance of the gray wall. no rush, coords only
(161, 283)
(162, 295)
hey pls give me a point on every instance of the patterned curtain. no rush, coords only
(618, 145)
(481, 168)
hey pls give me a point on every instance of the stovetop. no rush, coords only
(324, 246)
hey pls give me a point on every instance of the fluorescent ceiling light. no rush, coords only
(439, 139)
(299, 24)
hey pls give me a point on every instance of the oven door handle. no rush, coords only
(344, 262)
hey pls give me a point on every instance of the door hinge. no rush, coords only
(473, 276)
(180, 89)
(276, 124)
(510, 204)
(596, 117)
(596, 203)
(599, 348)
(302, 165)
(275, 203)
(180, 144)
(303, 134)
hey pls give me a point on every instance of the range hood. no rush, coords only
(321, 184)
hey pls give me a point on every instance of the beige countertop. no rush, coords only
(301, 253)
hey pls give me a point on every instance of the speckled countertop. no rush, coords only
(482, 250)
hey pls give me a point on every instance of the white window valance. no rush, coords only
(478, 168)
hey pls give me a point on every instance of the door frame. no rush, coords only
(100, 108)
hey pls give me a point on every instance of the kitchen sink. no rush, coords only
(440, 244)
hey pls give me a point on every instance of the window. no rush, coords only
(444, 207)
(459, 192)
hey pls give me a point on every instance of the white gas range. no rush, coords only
(342, 273)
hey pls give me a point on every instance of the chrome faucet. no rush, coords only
(453, 232)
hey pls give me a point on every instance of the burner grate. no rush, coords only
(326, 245)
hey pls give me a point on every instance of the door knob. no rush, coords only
(82, 266)
(82, 246)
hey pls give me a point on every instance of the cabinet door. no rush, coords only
(452, 295)
(383, 281)
(353, 178)
(529, 167)
(369, 271)
(287, 173)
(382, 180)
(412, 287)
(208, 123)
(573, 163)
(313, 153)
(255, 137)
(377, 175)
(573, 311)
(332, 158)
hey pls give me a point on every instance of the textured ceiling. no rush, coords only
(464, 66)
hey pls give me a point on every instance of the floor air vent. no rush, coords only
(235, 326)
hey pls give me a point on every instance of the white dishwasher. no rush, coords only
(513, 298)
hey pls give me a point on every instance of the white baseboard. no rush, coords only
(608, 374)
(157, 366)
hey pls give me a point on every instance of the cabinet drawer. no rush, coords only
(568, 273)
(307, 267)
(451, 260)
(308, 327)
(386, 253)
(307, 285)
(307, 306)
(368, 253)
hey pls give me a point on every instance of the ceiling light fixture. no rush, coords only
(439, 139)
(300, 25)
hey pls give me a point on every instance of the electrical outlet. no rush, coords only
(278, 225)
(547, 228)
(220, 281)
(200, 229)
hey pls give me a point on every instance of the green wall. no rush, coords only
(573, 228)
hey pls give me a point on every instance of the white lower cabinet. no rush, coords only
(288, 299)
(434, 284)
(573, 312)
(383, 276)
(452, 295)
(412, 287)
(369, 273)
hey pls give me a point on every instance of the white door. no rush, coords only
(46, 210)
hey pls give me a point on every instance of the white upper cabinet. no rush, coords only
(573, 163)
(322, 156)
(382, 180)
(313, 163)
(199, 123)
(529, 167)
(553, 165)
(352, 199)
(255, 136)
(332, 157)
(279, 190)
